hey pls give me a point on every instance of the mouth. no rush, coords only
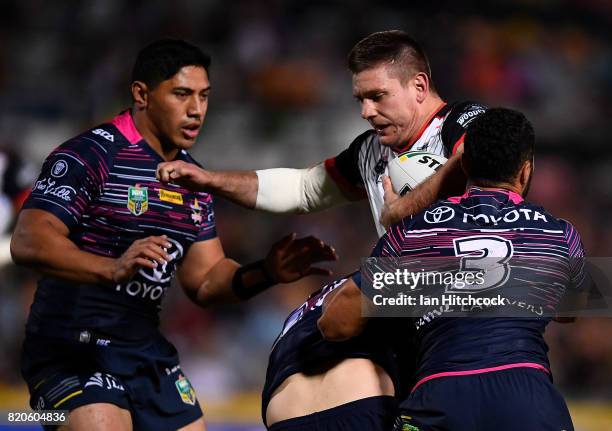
(380, 128)
(191, 131)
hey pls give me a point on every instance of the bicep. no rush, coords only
(36, 233)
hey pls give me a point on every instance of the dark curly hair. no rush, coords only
(163, 58)
(496, 145)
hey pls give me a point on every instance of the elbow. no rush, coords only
(21, 252)
(334, 331)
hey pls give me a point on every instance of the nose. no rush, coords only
(196, 107)
(367, 109)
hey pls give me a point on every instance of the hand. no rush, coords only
(143, 253)
(391, 209)
(291, 259)
(184, 174)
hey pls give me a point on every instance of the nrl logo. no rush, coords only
(138, 200)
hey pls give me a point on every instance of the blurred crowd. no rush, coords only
(282, 97)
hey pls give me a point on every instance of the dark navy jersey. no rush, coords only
(499, 225)
(300, 347)
(102, 185)
(358, 169)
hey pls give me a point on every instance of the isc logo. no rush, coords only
(104, 134)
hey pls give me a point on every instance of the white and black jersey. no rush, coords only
(358, 169)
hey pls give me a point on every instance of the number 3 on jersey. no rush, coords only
(487, 254)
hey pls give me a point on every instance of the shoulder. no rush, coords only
(460, 114)
(364, 139)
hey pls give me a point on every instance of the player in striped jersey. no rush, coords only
(481, 373)
(392, 81)
(109, 239)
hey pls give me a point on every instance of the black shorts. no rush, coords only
(144, 378)
(509, 400)
(367, 414)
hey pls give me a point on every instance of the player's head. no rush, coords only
(170, 86)
(498, 150)
(392, 80)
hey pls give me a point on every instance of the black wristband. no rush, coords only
(246, 292)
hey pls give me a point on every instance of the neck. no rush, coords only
(429, 107)
(149, 132)
(493, 186)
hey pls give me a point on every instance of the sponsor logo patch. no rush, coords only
(172, 197)
(439, 215)
(138, 200)
(59, 168)
(185, 390)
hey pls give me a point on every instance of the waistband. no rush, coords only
(480, 371)
(383, 402)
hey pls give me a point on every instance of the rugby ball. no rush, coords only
(409, 169)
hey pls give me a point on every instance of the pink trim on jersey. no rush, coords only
(514, 197)
(480, 371)
(126, 126)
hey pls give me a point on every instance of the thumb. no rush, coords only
(388, 188)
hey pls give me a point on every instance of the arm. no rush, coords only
(208, 277)
(447, 181)
(342, 316)
(280, 190)
(40, 240)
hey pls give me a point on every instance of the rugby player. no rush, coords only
(392, 81)
(483, 373)
(109, 238)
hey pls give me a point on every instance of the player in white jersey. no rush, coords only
(392, 81)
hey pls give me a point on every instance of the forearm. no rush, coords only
(55, 255)
(448, 181)
(228, 282)
(301, 191)
(238, 186)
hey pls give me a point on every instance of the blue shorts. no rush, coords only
(144, 378)
(367, 414)
(509, 400)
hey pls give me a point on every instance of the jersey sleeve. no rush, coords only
(71, 178)
(344, 168)
(208, 227)
(455, 125)
(383, 258)
(576, 256)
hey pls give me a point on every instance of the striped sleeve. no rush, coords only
(575, 254)
(71, 178)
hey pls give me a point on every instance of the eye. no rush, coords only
(180, 94)
(377, 97)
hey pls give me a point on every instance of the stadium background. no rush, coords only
(282, 97)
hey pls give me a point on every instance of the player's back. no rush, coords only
(307, 373)
(528, 248)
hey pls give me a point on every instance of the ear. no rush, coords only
(140, 94)
(421, 83)
(525, 174)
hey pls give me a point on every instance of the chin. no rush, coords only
(388, 141)
(184, 144)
